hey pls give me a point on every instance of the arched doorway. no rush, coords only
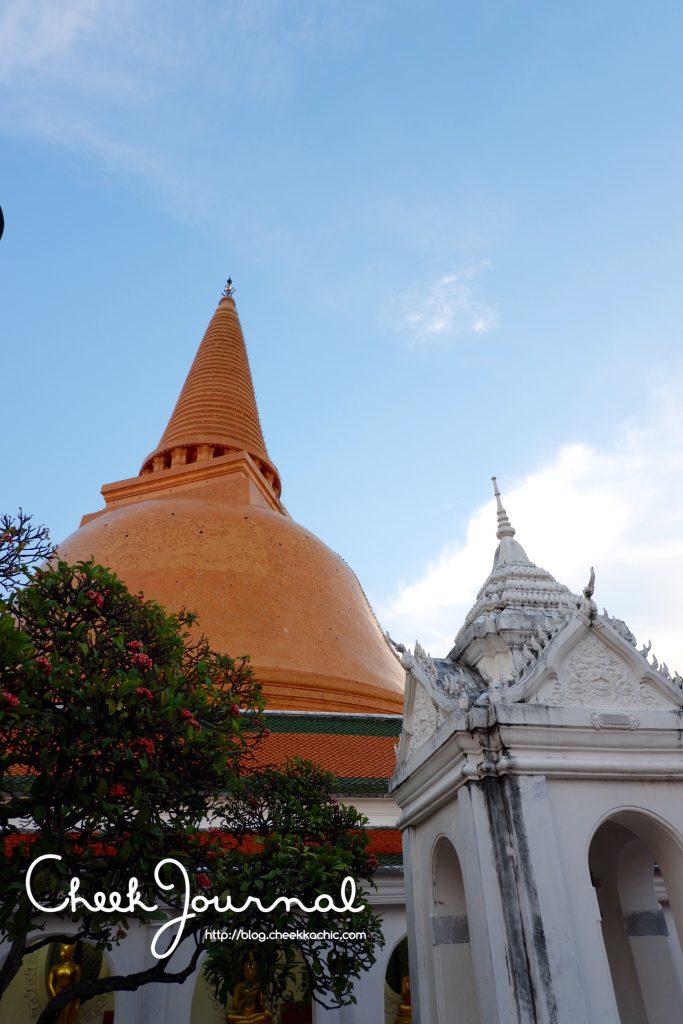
(28, 995)
(456, 997)
(636, 865)
(397, 986)
(206, 1008)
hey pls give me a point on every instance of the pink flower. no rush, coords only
(203, 880)
(234, 709)
(96, 598)
(10, 699)
(189, 718)
(267, 734)
(142, 691)
(135, 645)
(144, 746)
(43, 664)
(142, 661)
(117, 790)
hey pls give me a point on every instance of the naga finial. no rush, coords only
(588, 605)
(399, 648)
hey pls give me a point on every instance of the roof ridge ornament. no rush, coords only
(588, 606)
(229, 289)
(505, 527)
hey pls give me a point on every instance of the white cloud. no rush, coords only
(34, 33)
(449, 308)
(618, 508)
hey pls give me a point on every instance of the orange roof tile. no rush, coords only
(356, 757)
(385, 841)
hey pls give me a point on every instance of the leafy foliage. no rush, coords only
(116, 730)
(125, 740)
(295, 839)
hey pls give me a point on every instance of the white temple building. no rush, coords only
(540, 780)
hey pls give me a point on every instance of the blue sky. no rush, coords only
(455, 231)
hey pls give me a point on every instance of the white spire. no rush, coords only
(517, 600)
(505, 528)
(509, 550)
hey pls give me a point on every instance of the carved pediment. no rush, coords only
(592, 665)
(434, 690)
(425, 719)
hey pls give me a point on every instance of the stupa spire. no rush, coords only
(505, 527)
(509, 550)
(216, 413)
(517, 599)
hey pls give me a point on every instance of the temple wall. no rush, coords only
(534, 923)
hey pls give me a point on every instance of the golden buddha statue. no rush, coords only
(405, 1010)
(247, 999)
(63, 973)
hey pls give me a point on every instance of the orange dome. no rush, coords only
(210, 535)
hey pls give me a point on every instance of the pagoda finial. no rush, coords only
(229, 290)
(505, 528)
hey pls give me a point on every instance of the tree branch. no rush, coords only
(86, 990)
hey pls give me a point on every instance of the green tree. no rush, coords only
(125, 740)
(294, 838)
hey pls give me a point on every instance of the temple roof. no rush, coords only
(516, 601)
(360, 750)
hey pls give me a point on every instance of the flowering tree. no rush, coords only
(22, 546)
(124, 741)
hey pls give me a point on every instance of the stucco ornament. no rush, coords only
(436, 689)
(595, 676)
(620, 627)
(426, 662)
(425, 719)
